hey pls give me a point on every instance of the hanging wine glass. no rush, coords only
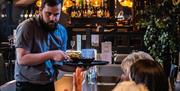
(72, 42)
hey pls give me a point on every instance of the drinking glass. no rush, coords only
(72, 42)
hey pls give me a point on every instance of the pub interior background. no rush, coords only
(101, 20)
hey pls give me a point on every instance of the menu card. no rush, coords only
(106, 49)
(95, 40)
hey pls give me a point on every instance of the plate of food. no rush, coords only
(76, 56)
(82, 58)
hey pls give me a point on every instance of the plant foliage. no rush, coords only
(160, 37)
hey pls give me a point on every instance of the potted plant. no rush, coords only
(160, 38)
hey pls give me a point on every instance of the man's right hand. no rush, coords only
(58, 55)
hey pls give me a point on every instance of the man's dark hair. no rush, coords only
(51, 2)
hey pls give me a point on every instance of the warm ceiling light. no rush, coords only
(38, 3)
(127, 3)
(120, 0)
(96, 3)
(64, 8)
(67, 3)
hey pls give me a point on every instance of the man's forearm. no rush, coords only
(33, 59)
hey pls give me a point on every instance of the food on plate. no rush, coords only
(73, 54)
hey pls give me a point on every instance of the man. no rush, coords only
(40, 43)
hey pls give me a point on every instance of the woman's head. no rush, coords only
(132, 58)
(149, 73)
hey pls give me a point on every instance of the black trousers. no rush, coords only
(26, 86)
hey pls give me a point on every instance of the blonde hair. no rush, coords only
(130, 86)
(132, 58)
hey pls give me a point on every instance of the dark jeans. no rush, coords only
(26, 86)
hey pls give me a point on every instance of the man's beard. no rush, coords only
(48, 27)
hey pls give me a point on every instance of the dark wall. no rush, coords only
(5, 20)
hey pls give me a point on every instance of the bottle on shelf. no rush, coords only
(26, 14)
(88, 8)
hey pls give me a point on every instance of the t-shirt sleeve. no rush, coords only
(24, 35)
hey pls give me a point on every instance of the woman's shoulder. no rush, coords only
(130, 86)
(125, 83)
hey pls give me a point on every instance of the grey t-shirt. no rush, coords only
(31, 36)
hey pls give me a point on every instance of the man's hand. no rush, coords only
(58, 55)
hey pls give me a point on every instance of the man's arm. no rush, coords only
(24, 57)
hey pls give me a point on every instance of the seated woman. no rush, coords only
(149, 73)
(129, 60)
